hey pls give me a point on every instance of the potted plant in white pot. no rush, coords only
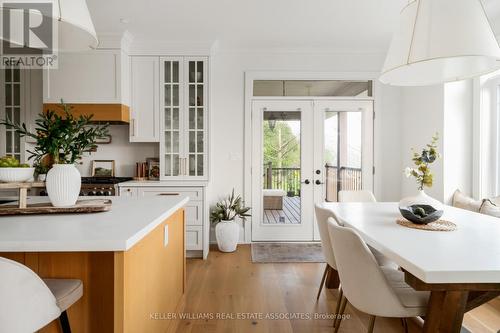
(423, 175)
(227, 231)
(61, 140)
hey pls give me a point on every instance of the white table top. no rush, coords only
(130, 219)
(470, 254)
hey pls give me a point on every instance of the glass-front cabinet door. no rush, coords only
(183, 118)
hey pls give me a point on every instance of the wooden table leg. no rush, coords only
(332, 278)
(445, 312)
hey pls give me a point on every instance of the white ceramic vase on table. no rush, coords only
(227, 234)
(421, 199)
(63, 185)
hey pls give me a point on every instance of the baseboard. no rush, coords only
(194, 254)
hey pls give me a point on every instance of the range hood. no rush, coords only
(117, 114)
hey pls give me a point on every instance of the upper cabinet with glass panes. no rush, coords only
(11, 105)
(183, 114)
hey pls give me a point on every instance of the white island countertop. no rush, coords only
(128, 221)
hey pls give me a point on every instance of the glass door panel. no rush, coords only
(342, 152)
(172, 116)
(196, 131)
(12, 111)
(282, 195)
(282, 167)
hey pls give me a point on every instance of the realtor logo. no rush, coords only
(28, 34)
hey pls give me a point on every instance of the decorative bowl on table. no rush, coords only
(16, 175)
(421, 214)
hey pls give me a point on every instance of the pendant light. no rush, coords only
(441, 41)
(70, 19)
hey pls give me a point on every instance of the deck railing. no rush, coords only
(288, 180)
(349, 179)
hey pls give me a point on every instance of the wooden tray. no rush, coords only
(81, 207)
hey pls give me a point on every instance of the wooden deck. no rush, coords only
(289, 215)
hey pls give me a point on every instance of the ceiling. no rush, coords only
(360, 25)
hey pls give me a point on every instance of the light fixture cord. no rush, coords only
(413, 33)
(60, 13)
(489, 22)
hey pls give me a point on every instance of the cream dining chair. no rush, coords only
(375, 290)
(365, 196)
(356, 196)
(322, 215)
(28, 303)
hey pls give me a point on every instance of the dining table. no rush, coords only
(460, 268)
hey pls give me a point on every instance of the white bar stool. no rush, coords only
(28, 303)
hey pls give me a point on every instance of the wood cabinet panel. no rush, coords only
(152, 275)
(121, 289)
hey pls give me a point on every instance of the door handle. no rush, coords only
(307, 182)
(318, 182)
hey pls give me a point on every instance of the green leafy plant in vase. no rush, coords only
(61, 139)
(423, 175)
(224, 213)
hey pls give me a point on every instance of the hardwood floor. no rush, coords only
(230, 284)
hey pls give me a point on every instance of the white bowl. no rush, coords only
(16, 175)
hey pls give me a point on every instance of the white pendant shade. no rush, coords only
(71, 21)
(441, 41)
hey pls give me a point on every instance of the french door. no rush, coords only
(305, 152)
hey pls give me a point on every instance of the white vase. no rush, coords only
(63, 185)
(421, 199)
(227, 234)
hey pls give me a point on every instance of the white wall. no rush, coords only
(227, 132)
(457, 140)
(124, 153)
(447, 110)
(388, 143)
(422, 117)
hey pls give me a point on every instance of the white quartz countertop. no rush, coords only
(130, 219)
(162, 183)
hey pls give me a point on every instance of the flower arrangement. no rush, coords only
(422, 172)
(60, 139)
(228, 209)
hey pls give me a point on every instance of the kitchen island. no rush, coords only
(131, 261)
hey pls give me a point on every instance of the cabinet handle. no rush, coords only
(132, 124)
(169, 194)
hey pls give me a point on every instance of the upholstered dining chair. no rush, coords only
(356, 196)
(322, 216)
(375, 290)
(28, 303)
(365, 196)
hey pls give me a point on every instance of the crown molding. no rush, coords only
(161, 47)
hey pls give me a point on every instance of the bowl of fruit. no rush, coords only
(421, 214)
(12, 171)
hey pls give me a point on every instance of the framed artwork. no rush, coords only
(153, 168)
(103, 168)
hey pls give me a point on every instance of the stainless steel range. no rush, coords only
(101, 186)
(98, 186)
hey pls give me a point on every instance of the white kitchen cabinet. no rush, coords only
(183, 118)
(98, 76)
(145, 100)
(196, 212)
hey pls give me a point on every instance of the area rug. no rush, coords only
(287, 252)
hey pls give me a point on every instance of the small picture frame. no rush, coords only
(103, 168)
(153, 168)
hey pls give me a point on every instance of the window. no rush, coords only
(318, 88)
